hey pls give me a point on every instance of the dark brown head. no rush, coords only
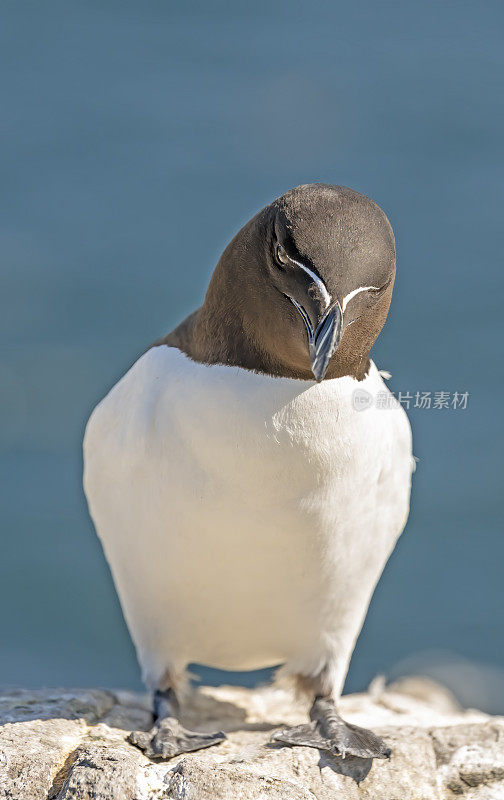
(302, 290)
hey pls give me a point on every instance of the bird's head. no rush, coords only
(311, 278)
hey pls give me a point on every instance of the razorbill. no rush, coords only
(245, 507)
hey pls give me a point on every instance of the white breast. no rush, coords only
(245, 518)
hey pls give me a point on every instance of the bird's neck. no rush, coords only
(213, 339)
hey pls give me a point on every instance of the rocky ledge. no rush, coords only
(62, 744)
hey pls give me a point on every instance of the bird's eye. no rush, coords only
(376, 291)
(281, 256)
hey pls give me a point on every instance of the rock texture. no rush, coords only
(70, 745)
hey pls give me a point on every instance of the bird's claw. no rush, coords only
(168, 738)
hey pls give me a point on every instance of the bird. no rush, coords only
(247, 503)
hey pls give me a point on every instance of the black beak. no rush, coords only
(324, 339)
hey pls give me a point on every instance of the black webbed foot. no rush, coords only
(168, 738)
(329, 732)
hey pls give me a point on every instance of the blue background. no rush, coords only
(136, 139)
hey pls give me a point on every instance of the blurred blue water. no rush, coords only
(136, 139)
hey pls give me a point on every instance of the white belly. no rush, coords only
(246, 519)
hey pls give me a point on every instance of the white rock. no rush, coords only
(72, 745)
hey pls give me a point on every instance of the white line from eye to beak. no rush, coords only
(323, 289)
(352, 294)
(315, 278)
